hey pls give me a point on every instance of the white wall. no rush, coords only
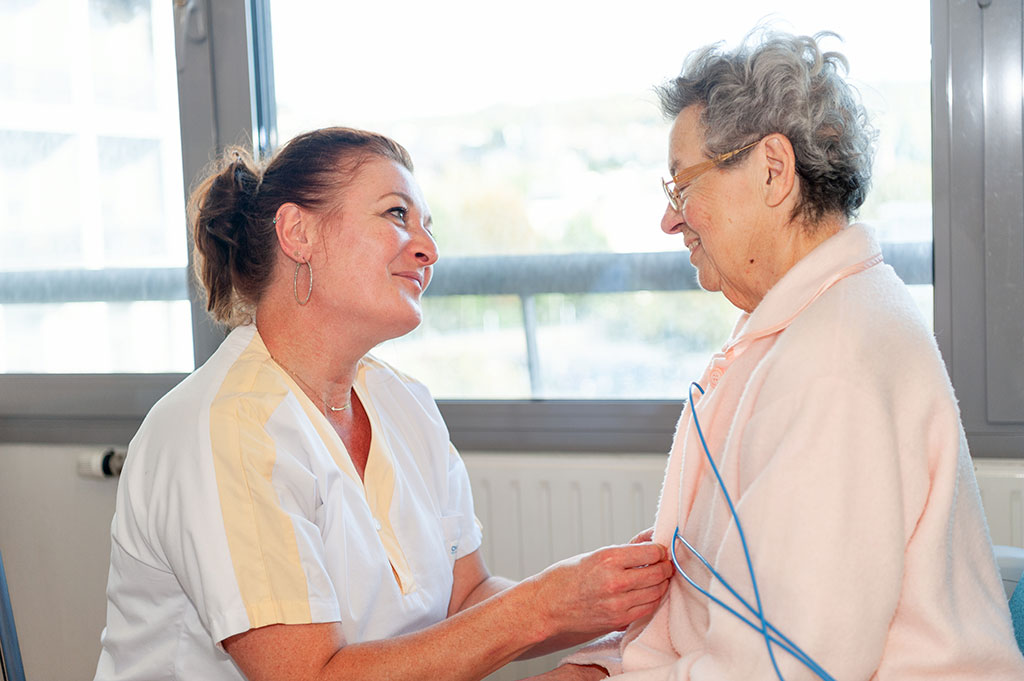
(55, 540)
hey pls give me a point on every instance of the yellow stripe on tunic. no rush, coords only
(378, 482)
(260, 534)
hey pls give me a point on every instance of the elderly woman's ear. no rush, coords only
(780, 175)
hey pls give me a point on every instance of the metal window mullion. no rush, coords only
(975, 310)
(264, 93)
(1004, 214)
(532, 357)
(942, 184)
(216, 105)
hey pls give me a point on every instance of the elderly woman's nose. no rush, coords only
(671, 221)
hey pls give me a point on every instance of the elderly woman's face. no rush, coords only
(718, 217)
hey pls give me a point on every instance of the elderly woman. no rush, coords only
(293, 509)
(821, 457)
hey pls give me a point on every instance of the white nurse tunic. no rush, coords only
(239, 507)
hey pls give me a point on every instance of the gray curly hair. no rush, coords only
(779, 83)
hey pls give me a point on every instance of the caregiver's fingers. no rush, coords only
(633, 555)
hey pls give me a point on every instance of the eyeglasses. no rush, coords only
(682, 179)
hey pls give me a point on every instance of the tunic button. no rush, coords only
(376, 523)
(716, 376)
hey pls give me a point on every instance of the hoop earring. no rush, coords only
(295, 283)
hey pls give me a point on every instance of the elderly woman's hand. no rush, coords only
(604, 590)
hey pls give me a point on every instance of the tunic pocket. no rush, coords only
(451, 527)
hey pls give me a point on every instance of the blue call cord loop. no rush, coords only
(760, 623)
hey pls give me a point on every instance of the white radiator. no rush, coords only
(1001, 482)
(537, 509)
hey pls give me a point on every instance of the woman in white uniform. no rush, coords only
(294, 508)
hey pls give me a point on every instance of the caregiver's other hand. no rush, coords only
(571, 672)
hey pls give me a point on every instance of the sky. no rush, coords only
(383, 60)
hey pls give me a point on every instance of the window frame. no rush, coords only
(977, 212)
(64, 408)
(226, 96)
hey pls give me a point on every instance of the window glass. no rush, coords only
(535, 134)
(92, 268)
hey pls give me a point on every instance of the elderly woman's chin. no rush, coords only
(707, 276)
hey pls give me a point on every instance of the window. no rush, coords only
(539, 144)
(473, 90)
(93, 264)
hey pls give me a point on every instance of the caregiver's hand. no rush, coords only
(603, 590)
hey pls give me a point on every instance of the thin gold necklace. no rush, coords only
(323, 396)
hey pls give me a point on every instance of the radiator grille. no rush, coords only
(1001, 482)
(537, 509)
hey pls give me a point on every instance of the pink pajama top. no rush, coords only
(831, 418)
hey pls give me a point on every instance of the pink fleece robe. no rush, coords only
(832, 420)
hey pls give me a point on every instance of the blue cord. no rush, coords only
(761, 624)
